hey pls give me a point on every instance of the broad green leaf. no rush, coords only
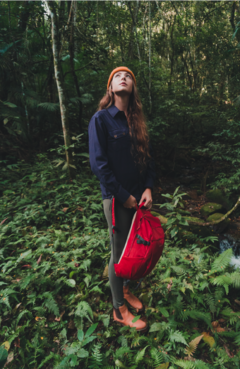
(80, 335)
(82, 353)
(71, 282)
(3, 356)
(136, 318)
(87, 340)
(140, 354)
(91, 330)
(164, 312)
(155, 327)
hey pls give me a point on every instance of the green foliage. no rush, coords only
(56, 303)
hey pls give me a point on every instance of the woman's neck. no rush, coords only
(121, 102)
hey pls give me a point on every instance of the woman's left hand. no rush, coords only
(147, 196)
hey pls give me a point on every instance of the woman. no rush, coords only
(120, 158)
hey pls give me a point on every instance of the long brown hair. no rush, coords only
(136, 123)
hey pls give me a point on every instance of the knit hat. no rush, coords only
(118, 69)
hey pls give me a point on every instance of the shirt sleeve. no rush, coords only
(150, 174)
(99, 160)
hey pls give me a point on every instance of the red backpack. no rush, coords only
(143, 247)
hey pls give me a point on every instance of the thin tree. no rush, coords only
(61, 93)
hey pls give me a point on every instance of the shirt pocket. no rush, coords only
(118, 140)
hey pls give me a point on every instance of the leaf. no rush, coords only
(136, 318)
(91, 330)
(82, 353)
(140, 354)
(39, 259)
(193, 345)
(155, 327)
(3, 356)
(177, 337)
(163, 366)
(223, 260)
(80, 335)
(5, 121)
(174, 231)
(83, 310)
(120, 364)
(105, 272)
(71, 282)
(164, 312)
(89, 339)
(208, 339)
(6, 344)
(9, 104)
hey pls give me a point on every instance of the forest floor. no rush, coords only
(55, 301)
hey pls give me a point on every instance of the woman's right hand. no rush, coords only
(130, 203)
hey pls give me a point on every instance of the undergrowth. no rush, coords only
(55, 301)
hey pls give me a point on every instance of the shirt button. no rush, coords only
(123, 133)
(115, 136)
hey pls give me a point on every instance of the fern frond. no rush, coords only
(49, 106)
(222, 261)
(156, 356)
(193, 345)
(84, 310)
(206, 317)
(177, 337)
(185, 364)
(50, 303)
(208, 339)
(95, 361)
(235, 279)
(140, 354)
(237, 339)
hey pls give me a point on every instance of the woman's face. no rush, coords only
(122, 83)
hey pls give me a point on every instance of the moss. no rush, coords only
(196, 229)
(217, 216)
(218, 196)
(162, 219)
(209, 208)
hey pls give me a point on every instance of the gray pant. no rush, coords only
(123, 219)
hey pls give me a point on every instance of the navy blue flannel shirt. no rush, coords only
(111, 159)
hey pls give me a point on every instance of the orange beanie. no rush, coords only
(118, 69)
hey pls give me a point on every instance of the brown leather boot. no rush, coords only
(124, 317)
(133, 300)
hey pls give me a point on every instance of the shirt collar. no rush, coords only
(113, 110)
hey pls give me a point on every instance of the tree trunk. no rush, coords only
(61, 93)
(71, 53)
(149, 85)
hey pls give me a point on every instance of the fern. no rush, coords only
(237, 339)
(222, 261)
(206, 317)
(48, 358)
(21, 314)
(185, 364)
(193, 345)
(236, 279)
(156, 356)
(50, 303)
(201, 365)
(223, 280)
(140, 354)
(95, 361)
(177, 337)
(84, 310)
(49, 106)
